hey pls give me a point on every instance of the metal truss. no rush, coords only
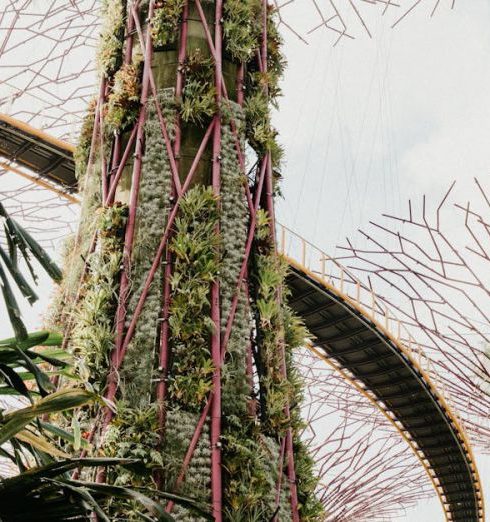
(360, 457)
(430, 264)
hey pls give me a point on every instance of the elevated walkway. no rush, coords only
(363, 341)
(24, 146)
(353, 333)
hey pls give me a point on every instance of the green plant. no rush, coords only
(242, 33)
(31, 442)
(123, 102)
(21, 244)
(48, 494)
(199, 94)
(93, 334)
(82, 152)
(196, 266)
(112, 36)
(154, 203)
(165, 21)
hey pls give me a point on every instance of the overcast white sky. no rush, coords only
(369, 123)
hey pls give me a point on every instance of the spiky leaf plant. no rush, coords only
(32, 444)
(21, 246)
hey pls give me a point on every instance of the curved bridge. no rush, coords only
(363, 341)
(354, 334)
(26, 147)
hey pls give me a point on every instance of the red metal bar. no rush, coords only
(179, 86)
(243, 268)
(115, 182)
(279, 475)
(117, 356)
(216, 477)
(111, 391)
(161, 119)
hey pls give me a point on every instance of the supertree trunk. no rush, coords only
(176, 289)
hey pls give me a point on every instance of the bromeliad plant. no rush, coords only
(123, 102)
(195, 268)
(199, 95)
(164, 28)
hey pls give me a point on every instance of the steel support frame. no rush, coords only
(263, 192)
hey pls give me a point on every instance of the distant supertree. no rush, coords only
(171, 104)
(430, 266)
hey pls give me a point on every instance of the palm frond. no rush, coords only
(20, 241)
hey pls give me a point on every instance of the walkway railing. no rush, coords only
(327, 270)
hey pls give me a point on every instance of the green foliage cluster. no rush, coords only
(82, 152)
(249, 474)
(280, 332)
(93, 333)
(199, 94)
(311, 508)
(165, 22)
(21, 246)
(196, 264)
(251, 464)
(276, 61)
(179, 430)
(242, 33)
(153, 206)
(234, 230)
(122, 105)
(276, 390)
(134, 434)
(112, 36)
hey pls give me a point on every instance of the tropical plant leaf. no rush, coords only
(18, 239)
(47, 495)
(63, 434)
(59, 401)
(85, 495)
(40, 444)
(31, 340)
(12, 307)
(40, 254)
(42, 380)
(14, 381)
(18, 277)
(106, 490)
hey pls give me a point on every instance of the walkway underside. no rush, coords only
(37, 151)
(344, 334)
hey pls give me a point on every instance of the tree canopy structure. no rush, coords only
(173, 301)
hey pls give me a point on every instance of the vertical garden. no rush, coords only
(173, 302)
